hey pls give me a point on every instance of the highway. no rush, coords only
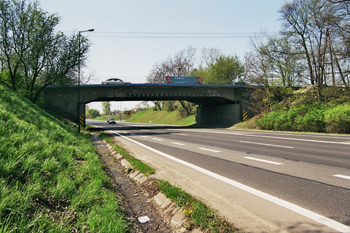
(264, 181)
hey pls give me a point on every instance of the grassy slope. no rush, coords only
(161, 117)
(51, 179)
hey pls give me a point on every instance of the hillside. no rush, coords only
(51, 178)
(162, 117)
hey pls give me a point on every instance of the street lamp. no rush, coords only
(78, 104)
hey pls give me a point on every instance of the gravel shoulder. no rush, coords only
(135, 200)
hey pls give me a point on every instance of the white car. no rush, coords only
(111, 121)
(115, 81)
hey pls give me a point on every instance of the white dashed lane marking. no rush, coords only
(177, 143)
(157, 139)
(215, 151)
(263, 160)
(342, 176)
(263, 144)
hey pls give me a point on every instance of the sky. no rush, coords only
(131, 36)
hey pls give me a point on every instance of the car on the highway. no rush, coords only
(114, 81)
(111, 121)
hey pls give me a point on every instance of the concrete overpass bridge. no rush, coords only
(219, 105)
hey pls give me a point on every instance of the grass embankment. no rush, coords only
(162, 117)
(104, 118)
(305, 111)
(51, 178)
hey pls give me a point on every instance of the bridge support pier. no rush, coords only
(219, 115)
(81, 115)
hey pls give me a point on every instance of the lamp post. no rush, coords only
(78, 104)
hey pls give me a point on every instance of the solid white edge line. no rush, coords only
(215, 151)
(307, 213)
(263, 160)
(342, 176)
(264, 144)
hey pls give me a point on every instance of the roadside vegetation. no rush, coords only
(154, 117)
(200, 215)
(302, 111)
(161, 117)
(51, 178)
(105, 117)
(136, 163)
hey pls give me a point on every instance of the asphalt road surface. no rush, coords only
(262, 181)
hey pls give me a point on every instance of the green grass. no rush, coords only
(51, 178)
(136, 163)
(199, 214)
(104, 118)
(161, 117)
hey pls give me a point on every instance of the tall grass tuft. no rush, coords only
(199, 214)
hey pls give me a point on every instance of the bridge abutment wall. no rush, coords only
(219, 115)
(65, 102)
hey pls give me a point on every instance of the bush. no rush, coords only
(266, 121)
(312, 121)
(298, 118)
(337, 119)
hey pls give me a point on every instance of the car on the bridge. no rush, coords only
(111, 121)
(114, 81)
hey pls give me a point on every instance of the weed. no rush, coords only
(199, 214)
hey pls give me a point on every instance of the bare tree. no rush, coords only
(312, 24)
(181, 64)
(209, 55)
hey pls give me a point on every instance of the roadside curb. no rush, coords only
(177, 217)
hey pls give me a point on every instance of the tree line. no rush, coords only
(32, 54)
(311, 48)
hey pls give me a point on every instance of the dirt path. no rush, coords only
(135, 199)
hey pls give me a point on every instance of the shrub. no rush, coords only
(266, 121)
(297, 118)
(312, 121)
(337, 119)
